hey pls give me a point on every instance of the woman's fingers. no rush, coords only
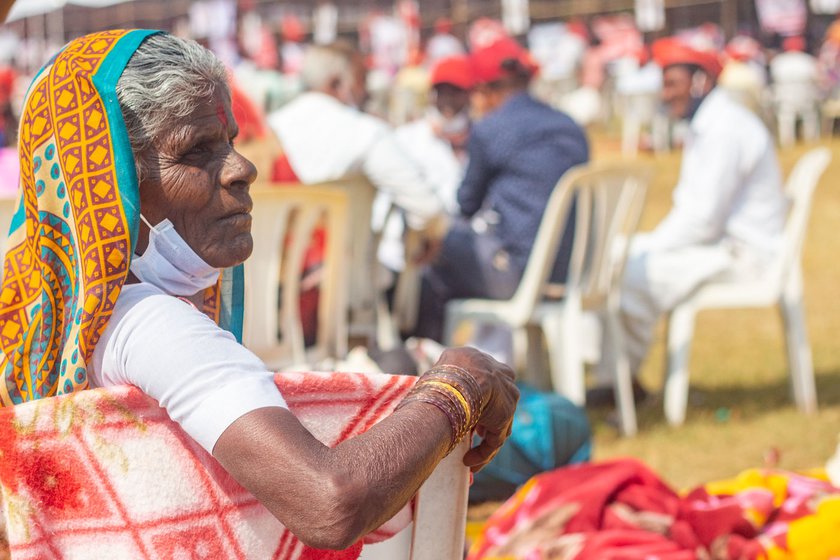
(499, 395)
(482, 454)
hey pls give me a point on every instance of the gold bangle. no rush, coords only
(454, 391)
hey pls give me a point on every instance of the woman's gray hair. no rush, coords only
(162, 84)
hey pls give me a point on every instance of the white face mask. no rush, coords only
(170, 264)
(449, 126)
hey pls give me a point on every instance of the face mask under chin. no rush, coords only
(170, 264)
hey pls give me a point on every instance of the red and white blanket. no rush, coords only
(106, 474)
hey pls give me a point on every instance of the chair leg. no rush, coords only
(630, 132)
(565, 359)
(680, 333)
(811, 125)
(536, 370)
(799, 354)
(661, 132)
(618, 363)
(787, 128)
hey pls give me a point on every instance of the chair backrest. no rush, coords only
(608, 199)
(364, 243)
(799, 188)
(284, 219)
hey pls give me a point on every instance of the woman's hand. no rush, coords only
(499, 395)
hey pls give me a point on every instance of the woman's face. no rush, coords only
(200, 183)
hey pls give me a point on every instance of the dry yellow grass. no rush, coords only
(740, 407)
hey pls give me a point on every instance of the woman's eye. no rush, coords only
(200, 149)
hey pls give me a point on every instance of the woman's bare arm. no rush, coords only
(330, 498)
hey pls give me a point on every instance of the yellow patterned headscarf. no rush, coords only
(76, 223)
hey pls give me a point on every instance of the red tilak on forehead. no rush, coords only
(221, 114)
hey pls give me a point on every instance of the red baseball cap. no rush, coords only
(489, 63)
(671, 50)
(454, 70)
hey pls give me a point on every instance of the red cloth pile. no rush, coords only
(621, 510)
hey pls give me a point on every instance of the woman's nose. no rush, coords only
(238, 170)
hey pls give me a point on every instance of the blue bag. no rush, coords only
(549, 431)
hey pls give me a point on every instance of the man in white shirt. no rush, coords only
(437, 144)
(729, 206)
(438, 141)
(325, 136)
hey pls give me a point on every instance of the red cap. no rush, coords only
(488, 62)
(443, 25)
(454, 70)
(671, 50)
(794, 44)
(292, 29)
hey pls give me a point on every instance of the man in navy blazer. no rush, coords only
(517, 153)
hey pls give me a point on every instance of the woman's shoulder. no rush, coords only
(146, 319)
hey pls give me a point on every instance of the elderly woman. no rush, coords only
(124, 267)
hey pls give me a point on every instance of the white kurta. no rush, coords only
(440, 167)
(326, 140)
(727, 219)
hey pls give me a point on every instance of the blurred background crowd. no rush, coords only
(593, 55)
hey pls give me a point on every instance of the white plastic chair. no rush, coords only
(356, 272)
(440, 517)
(292, 213)
(638, 111)
(781, 287)
(609, 199)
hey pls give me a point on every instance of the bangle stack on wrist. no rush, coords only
(455, 392)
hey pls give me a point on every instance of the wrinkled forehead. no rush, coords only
(211, 117)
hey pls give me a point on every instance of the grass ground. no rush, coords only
(740, 410)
